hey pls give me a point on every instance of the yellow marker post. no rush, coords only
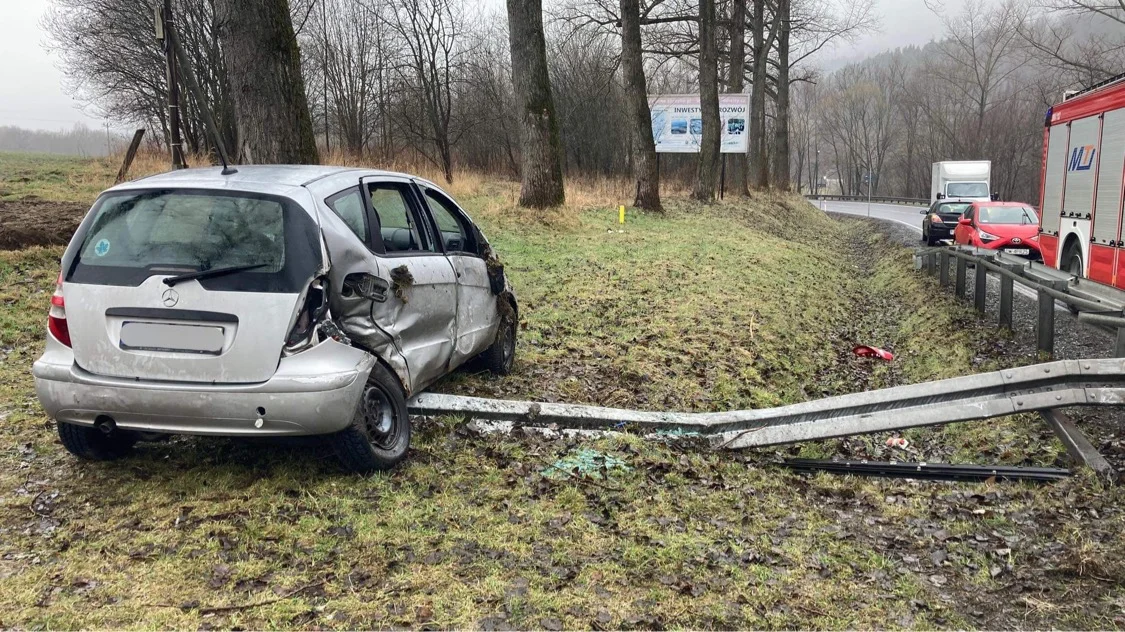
(621, 215)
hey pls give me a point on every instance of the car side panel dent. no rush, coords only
(354, 313)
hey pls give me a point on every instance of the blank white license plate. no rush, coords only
(1018, 251)
(165, 337)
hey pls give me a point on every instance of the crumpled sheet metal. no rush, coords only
(346, 254)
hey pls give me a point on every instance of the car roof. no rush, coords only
(983, 203)
(280, 175)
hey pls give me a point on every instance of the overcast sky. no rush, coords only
(32, 96)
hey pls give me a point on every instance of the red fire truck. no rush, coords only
(1081, 193)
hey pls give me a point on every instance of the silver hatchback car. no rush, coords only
(273, 301)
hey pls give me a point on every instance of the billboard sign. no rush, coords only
(677, 123)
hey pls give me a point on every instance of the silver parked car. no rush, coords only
(273, 301)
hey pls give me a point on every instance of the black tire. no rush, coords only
(379, 435)
(92, 444)
(1072, 263)
(501, 356)
(930, 241)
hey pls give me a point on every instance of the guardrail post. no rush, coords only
(980, 287)
(959, 288)
(1045, 332)
(1007, 290)
(943, 268)
(931, 263)
(1119, 348)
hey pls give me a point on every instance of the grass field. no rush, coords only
(747, 303)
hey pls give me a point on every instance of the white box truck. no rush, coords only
(961, 180)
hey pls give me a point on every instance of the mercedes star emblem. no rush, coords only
(170, 298)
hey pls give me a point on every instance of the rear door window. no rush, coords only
(349, 206)
(398, 225)
(132, 235)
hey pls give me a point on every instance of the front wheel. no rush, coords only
(379, 434)
(501, 356)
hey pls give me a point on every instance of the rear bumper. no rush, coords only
(941, 230)
(315, 392)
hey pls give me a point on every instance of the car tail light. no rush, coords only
(936, 219)
(56, 318)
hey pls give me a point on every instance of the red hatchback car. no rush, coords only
(1009, 226)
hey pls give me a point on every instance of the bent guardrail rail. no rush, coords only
(972, 397)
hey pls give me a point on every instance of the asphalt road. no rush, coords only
(908, 215)
(905, 215)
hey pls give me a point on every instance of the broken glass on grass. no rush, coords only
(585, 462)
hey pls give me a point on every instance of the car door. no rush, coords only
(963, 233)
(413, 292)
(926, 213)
(477, 314)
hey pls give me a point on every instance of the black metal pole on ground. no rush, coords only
(943, 268)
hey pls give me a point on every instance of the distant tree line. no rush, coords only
(980, 92)
(406, 80)
(79, 140)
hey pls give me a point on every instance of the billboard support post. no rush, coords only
(723, 177)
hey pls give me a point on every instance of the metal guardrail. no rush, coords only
(1094, 303)
(877, 199)
(1036, 388)
(973, 397)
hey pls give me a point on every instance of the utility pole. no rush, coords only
(164, 26)
(870, 184)
(816, 174)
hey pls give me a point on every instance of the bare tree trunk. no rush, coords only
(736, 73)
(781, 123)
(541, 172)
(640, 118)
(263, 64)
(758, 164)
(707, 174)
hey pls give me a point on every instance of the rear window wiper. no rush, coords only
(213, 272)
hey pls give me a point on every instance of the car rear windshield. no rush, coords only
(1006, 215)
(133, 235)
(959, 209)
(966, 189)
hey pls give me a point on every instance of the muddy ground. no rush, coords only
(27, 223)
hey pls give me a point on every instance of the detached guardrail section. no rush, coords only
(971, 397)
(1095, 303)
(1037, 388)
